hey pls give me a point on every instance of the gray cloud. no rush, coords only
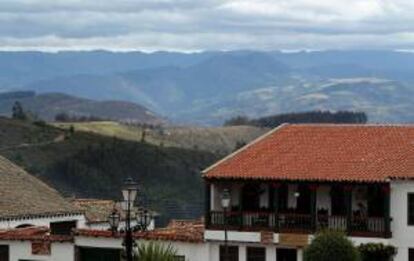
(206, 24)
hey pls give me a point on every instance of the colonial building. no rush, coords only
(97, 212)
(27, 201)
(37, 243)
(299, 179)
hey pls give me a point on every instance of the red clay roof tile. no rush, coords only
(324, 152)
(184, 231)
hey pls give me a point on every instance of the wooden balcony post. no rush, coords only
(207, 204)
(241, 207)
(276, 187)
(387, 216)
(313, 190)
(348, 205)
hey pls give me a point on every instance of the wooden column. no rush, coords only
(387, 215)
(271, 197)
(313, 190)
(207, 203)
(276, 193)
(348, 205)
(241, 207)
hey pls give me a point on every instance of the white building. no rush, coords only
(26, 201)
(299, 179)
(97, 211)
(37, 243)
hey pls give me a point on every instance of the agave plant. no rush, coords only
(155, 251)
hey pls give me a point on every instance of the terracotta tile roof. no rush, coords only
(33, 234)
(184, 231)
(324, 152)
(96, 210)
(23, 195)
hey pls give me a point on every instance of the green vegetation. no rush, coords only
(329, 245)
(155, 251)
(17, 112)
(377, 252)
(85, 164)
(221, 140)
(303, 117)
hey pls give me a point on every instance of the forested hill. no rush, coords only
(89, 165)
(344, 117)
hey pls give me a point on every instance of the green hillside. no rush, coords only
(85, 164)
(221, 140)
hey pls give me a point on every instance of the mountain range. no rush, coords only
(48, 105)
(208, 87)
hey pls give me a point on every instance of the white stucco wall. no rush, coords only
(23, 250)
(192, 251)
(81, 222)
(402, 233)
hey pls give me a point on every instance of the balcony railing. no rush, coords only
(297, 223)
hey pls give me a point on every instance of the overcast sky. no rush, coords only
(192, 25)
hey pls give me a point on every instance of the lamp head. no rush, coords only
(130, 190)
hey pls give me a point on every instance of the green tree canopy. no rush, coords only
(330, 245)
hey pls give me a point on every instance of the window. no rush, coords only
(62, 228)
(232, 253)
(411, 254)
(256, 254)
(410, 200)
(4, 253)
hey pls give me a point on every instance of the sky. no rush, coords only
(197, 25)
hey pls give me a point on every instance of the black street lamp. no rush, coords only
(143, 217)
(225, 203)
(113, 221)
(129, 193)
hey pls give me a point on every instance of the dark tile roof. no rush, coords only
(23, 195)
(324, 152)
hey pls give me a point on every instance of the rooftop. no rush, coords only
(323, 152)
(23, 195)
(32, 234)
(191, 231)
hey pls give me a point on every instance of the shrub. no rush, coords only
(154, 251)
(377, 252)
(331, 245)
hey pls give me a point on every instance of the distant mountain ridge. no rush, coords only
(48, 105)
(210, 87)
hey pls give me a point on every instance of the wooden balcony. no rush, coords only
(297, 223)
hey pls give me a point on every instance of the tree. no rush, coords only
(155, 251)
(18, 112)
(377, 252)
(331, 245)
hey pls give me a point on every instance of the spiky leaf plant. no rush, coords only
(155, 251)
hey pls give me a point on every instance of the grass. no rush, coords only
(214, 139)
(86, 164)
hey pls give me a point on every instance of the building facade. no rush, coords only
(300, 179)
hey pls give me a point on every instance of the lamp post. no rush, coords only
(113, 221)
(129, 193)
(225, 203)
(143, 217)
